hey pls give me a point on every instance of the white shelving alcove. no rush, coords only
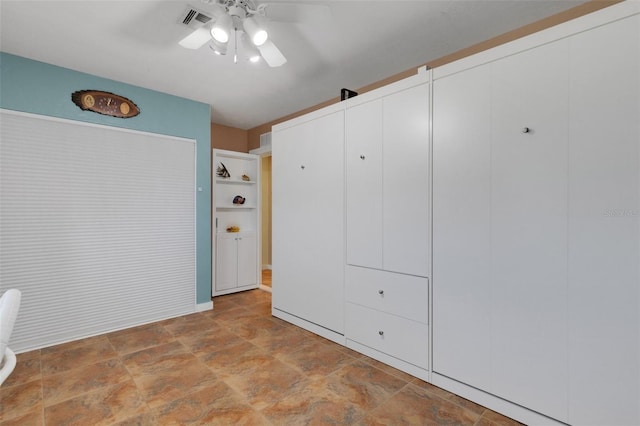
(236, 226)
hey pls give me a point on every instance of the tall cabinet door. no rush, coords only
(364, 184)
(529, 172)
(388, 182)
(247, 266)
(604, 225)
(406, 181)
(500, 228)
(308, 221)
(536, 226)
(226, 261)
(461, 227)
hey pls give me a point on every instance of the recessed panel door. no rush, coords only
(247, 266)
(226, 261)
(308, 221)
(604, 225)
(405, 190)
(529, 196)
(364, 184)
(461, 227)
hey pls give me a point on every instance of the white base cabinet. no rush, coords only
(388, 223)
(236, 268)
(398, 337)
(388, 312)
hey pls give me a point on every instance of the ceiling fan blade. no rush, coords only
(196, 39)
(272, 54)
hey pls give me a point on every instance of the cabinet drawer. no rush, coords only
(398, 337)
(398, 294)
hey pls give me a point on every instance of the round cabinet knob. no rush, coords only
(526, 130)
(381, 333)
(381, 292)
(302, 167)
(362, 157)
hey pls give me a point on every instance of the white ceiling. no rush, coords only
(344, 44)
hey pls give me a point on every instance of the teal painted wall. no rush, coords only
(39, 88)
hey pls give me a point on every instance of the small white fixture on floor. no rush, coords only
(9, 305)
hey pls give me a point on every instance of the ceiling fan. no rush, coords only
(231, 17)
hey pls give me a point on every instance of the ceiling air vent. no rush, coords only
(193, 18)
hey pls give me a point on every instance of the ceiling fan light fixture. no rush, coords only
(252, 54)
(222, 28)
(257, 34)
(249, 51)
(253, 44)
(217, 47)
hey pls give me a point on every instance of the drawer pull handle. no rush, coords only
(381, 333)
(381, 292)
(362, 157)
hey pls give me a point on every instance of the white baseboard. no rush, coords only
(207, 306)
(492, 402)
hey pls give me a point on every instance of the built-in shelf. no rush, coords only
(236, 254)
(235, 181)
(233, 207)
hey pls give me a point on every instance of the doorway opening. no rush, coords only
(265, 216)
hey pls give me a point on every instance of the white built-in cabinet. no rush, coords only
(387, 160)
(509, 186)
(603, 310)
(236, 254)
(480, 228)
(387, 317)
(387, 223)
(236, 266)
(308, 221)
(536, 260)
(376, 148)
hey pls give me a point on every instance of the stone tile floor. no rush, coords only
(235, 365)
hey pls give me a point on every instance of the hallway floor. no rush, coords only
(266, 277)
(235, 365)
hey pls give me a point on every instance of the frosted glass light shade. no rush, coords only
(221, 28)
(249, 51)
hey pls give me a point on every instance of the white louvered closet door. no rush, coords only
(97, 227)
